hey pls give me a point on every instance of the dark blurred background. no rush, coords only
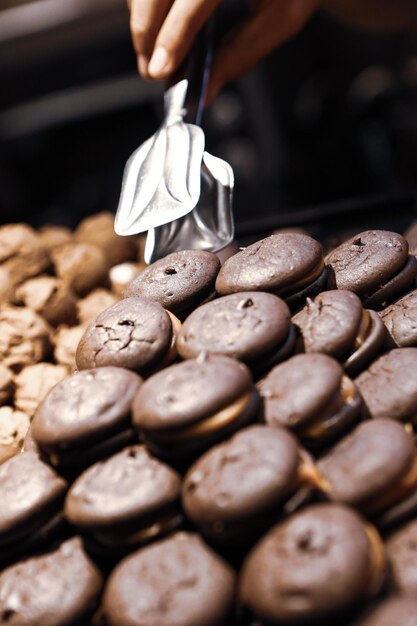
(324, 129)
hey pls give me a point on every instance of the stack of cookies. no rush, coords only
(226, 445)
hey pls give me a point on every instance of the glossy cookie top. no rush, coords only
(189, 391)
(84, 406)
(178, 281)
(367, 261)
(55, 589)
(330, 323)
(130, 483)
(134, 333)
(243, 325)
(28, 488)
(181, 582)
(298, 390)
(366, 463)
(389, 385)
(271, 264)
(314, 563)
(251, 472)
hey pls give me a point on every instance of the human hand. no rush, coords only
(163, 32)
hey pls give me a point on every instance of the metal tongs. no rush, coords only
(172, 187)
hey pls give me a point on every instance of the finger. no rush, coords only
(273, 23)
(176, 36)
(146, 18)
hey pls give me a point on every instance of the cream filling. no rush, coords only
(395, 493)
(144, 534)
(215, 422)
(321, 425)
(377, 561)
(363, 330)
(306, 280)
(309, 474)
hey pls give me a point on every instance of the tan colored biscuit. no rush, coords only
(92, 305)
(13, 428)
(21, 252)
(6, 385)
(82, 267)
(65, 344)
(50, 298)
(34, 382)
(99, 230)
(25, 338)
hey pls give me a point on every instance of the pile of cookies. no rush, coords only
(231, 446)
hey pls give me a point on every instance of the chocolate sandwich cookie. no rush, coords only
(135, 333)
(31, 498)
(14, 426)
(311, 395)
(290, 265)
(401, 549)
(187, 407)
(389, 386)
(178, 581)
(375, 265)
(59, 588)
(179, 282)
(400, 320)
(125, 501)
(86, 417)
(319, 564)
(251, 326)
(335, 323)
(373, 469)
(239, 488)
(391, 612)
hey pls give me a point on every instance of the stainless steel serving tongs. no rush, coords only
(171, 187)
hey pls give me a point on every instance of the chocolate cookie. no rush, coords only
(34, 382)
(239, 488)
(290, 265)
(31, 495)
(390, 612)
(401, 549)
(25, 338)
(316, 565)
(181, 581)
(373, 468)
(179, 281)
(253, 327)
(335, 323)
(13, 429)
(135, 333)
(60, 588)
(310, 394)
(187, 407)
(96, 302)
(50, 298)
(389, 386)
(400, 320)
(375, 265)
(82, 267)
(86, 417)
(98, 230)
(125, 501)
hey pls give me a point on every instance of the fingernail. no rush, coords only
(158, 62)
(143, 65)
